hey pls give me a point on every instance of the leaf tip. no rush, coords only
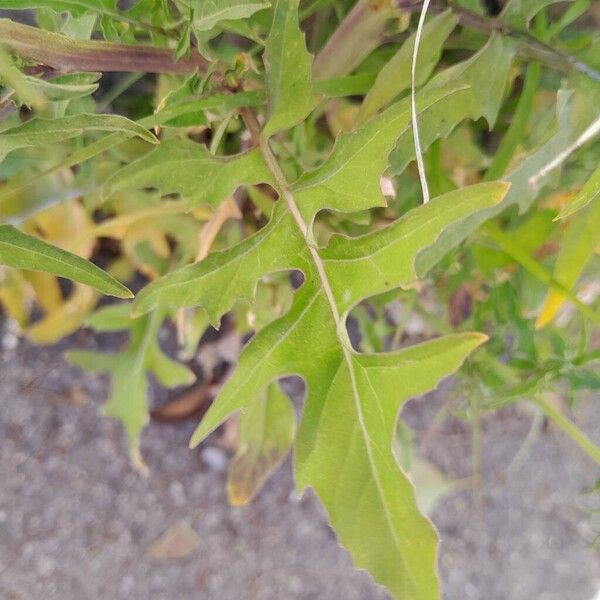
(478, 338)
(502, 188)
(194, 440)
(123, 292)
(137, 310)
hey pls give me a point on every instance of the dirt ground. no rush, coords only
(77, 522)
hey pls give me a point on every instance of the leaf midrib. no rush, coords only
(286, 193)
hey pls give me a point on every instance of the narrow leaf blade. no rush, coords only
(23, 251)
(39, 132)
(288, 64)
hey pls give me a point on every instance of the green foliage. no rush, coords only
(208, 13)
(579, 244)
(128, 368)
(394, 77)
(189, 169)
(588, 194)
(277, 191)
(39, 132)
(288, 66)
(27, 252)
(482, 80)
(520, 12)
(348, 180)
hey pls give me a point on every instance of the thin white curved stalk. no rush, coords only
(415, 125)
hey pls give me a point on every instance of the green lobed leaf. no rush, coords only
(288, 66)
(344, 453)
(348, 180)
(234, 272)
(280, 349)
(188, 168)
(343, 447)
(23, 251)
(129, 386)
(395, 76)
(400, 253)
(483, 77)
(41, 132)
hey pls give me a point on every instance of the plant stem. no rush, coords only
(273, 166)
(341, 333)
(529, 46)
(569, 429)
(413, 101)
(220, 132)
(66, 54)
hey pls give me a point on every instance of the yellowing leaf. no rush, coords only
(265, 436)
(65, 318)
(46, 288)
(118, 226)
(178, 541)
(61, 224)
(16, 295)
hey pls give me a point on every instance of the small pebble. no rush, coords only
(45, 566)
(215, 459)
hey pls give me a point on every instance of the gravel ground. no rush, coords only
(76, 522)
